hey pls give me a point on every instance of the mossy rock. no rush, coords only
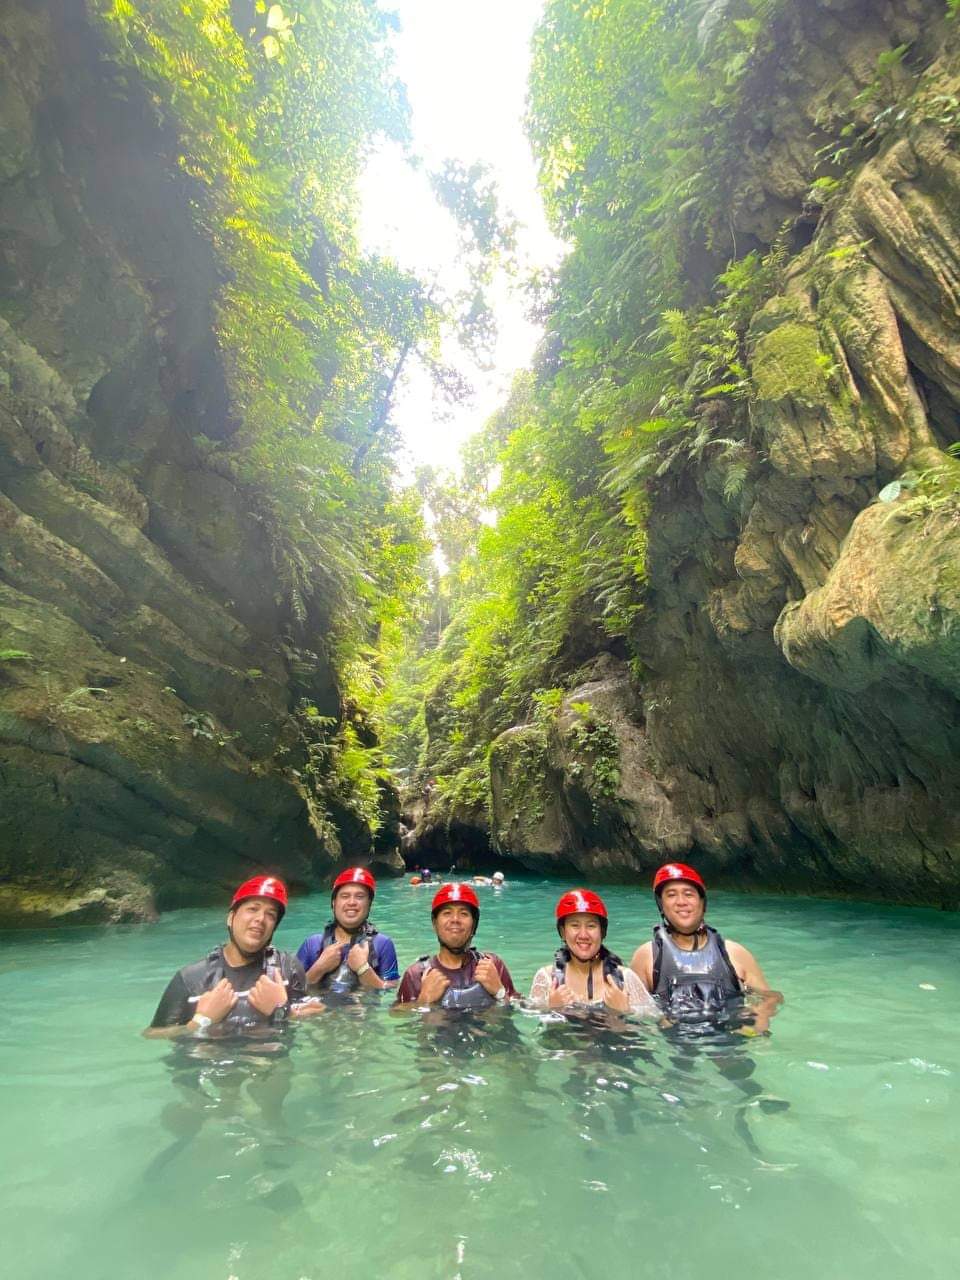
(788, 363)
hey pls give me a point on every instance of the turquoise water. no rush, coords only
(503, 1149)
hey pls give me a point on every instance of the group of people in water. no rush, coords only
(687, 973)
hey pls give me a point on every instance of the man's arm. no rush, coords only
(389, 966)
(299, 1003)
(642, 964)
(505, 980)
(754, 983)
(358, 958)
(176, 1011)
(419, 988)
(319, 963)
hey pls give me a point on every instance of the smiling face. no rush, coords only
(682, 906)
(455, 926)
(251, 924)
(583, 935)
(351, 906)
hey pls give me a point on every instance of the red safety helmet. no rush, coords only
(354, 875)
(262, 887)
(678, 871)
(581, 902)
(448, 893)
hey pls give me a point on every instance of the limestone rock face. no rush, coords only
(797, 723)
(801, 637)
(147, 678)
(584, 792)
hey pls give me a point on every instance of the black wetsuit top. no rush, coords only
(694, 984)
(176, 1008)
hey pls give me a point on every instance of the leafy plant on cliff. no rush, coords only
(270, 111)
(593, 738)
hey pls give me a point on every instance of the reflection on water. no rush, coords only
(498, 1144)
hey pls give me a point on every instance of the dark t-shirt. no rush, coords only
(409, 991)
(176, 1008)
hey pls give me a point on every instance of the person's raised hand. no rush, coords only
(433, 986)
(560, 996)
(267, 995)
(615, 997)
(216, 1003)
(326, 961)
(358, 955)
(488, 975)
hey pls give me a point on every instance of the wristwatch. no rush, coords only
(202, 1021)
(363, 968)
(501, 993)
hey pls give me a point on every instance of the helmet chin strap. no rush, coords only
(684, 933)
(460, 950)
(247, 955)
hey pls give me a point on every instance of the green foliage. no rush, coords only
(15, 655)
(637, 113)
(464, 791)
(593, 739)
(934, 491)
(273, 109)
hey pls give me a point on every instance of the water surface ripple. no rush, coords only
(500, 1147)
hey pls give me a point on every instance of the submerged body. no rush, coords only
(584, 972)
(244, 985)
(458, 976)
(694, 974)
(588, 991)
(178, 1004)
(350, 954)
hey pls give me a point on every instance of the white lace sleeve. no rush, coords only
(540, 990)
(641, 1001)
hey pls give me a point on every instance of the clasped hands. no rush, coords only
(330, 959)
(614, 997)
(435, 982)
(266, 996)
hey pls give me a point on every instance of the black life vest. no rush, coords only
(612, 967)
(204, 976)
(473, 997)
(344, 980)
(694, 985)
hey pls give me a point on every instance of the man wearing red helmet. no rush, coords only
(690, 969)
(584, 972)
(350, 953)
(458, 976)
(245, 985)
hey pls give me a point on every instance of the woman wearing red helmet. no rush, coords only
(584, 972)
(692, 971)
(246, 985)
(350, 953)
(458, 976)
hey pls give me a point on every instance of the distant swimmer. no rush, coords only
(490, 882)
(498, 879)
(584, 972)
(245, 985)
(350, 953)
(458, 976)
(691, 971)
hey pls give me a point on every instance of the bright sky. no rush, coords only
(465, 65)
